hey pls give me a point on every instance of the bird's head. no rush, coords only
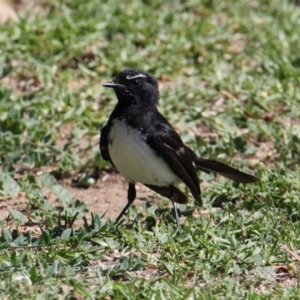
(135, 87)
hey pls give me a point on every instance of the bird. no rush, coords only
(143, 146)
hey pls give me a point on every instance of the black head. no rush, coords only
(135, 87)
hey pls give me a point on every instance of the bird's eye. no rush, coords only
(135, 83)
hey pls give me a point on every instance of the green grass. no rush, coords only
(230, 68)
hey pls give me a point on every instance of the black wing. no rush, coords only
(169, 145)
(104, 144)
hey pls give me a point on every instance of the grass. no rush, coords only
(229, 73)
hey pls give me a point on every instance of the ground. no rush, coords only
(228, 74)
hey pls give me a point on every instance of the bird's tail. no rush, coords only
(213, 166)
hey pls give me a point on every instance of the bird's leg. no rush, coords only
(131, 193)
(174, 202)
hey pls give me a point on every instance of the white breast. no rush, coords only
(135, 160)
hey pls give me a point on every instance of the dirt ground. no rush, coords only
(108, 195)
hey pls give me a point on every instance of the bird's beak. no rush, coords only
(113, 84)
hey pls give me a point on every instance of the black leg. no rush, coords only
(131, 193)
(174, 202)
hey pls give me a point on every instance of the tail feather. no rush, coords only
(213, 166)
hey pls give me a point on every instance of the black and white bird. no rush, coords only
(142, 145)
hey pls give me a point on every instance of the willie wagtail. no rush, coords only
(142, 145)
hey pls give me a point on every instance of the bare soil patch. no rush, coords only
(108, 195)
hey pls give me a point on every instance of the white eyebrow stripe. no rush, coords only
(135, 76)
